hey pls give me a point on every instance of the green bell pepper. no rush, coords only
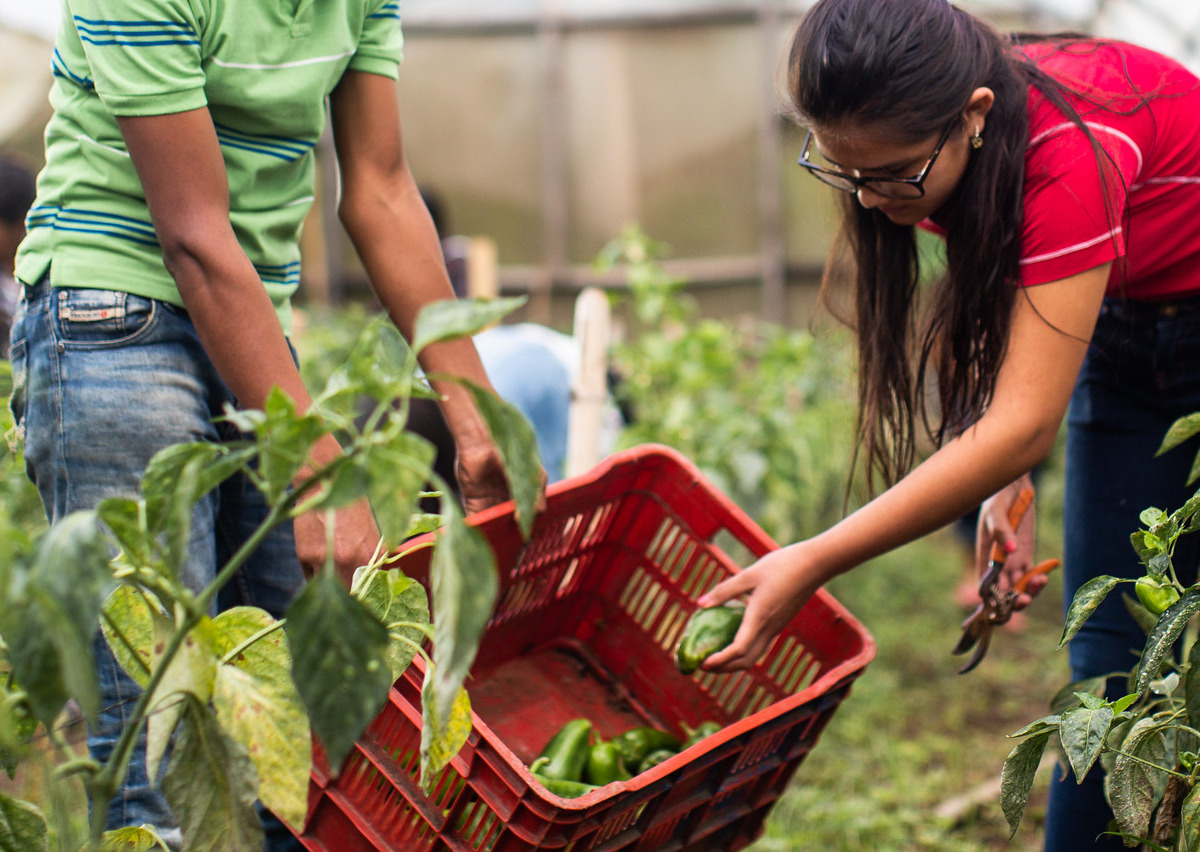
(604, 765)
(707, 631)
(566, 755)
(636, 743)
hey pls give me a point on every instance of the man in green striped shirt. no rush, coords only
(163, 249)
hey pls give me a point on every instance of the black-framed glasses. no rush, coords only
(890, 187)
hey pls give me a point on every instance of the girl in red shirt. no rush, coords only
(1064, 174)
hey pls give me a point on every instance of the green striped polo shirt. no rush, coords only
(262, 67)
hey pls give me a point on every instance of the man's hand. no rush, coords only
(355, 540)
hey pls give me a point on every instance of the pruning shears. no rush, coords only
(996, 607)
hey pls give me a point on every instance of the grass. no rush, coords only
(913, 733)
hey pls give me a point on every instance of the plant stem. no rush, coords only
(262, 634)
(103, 785)
(1149, 763)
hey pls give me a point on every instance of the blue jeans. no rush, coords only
(102, 381)
(1142, 372)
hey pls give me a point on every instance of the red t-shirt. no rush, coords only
(1152, 215)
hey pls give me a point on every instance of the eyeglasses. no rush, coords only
(890, 187)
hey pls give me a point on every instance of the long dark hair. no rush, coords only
(908, 67)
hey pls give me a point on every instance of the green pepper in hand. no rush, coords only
(707, 631)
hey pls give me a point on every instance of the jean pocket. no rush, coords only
(101, 317)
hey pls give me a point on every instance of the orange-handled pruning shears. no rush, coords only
(996, 607)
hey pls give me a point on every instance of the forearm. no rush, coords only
(947, 485)
(237, 324)
(395, 239)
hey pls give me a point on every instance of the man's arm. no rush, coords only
(390, 227)
(225, 299)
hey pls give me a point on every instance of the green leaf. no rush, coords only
(339, 653)
(517, 443)
(441, 740)
(192, 672)
(1146, 544)
(1067, 697)
(1189, 830)
(1152, 516)
(51, 613)
(1133, 788)
(1185, 513)
(285, 439)
(398, 471)
(350, 481)
(210, 785)
(1181, 430)
(176, 479)
(1124, 703)
(395, 599)
(129, 630)
(1020, 768)
(123, 517)
(257, 704)
(1082, 733)
(1090, 595)
(17, 728)
(1048, 724)
(1161, 642)
(22, 826)
(131, 839)
(465, 585)
(455, 318)
(1145, 618)
(1191, 686)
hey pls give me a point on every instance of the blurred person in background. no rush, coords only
(1064, 174)
(531, 366)
(16, 196)
(160, 261)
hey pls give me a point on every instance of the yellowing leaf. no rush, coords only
(257, 704)
(192, 671)
(440, 741)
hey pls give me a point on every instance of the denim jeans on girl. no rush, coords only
(102, 381)
(1142, 372)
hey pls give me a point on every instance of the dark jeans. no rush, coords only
(1142, 373)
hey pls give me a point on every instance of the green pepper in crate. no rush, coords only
(707, 631)
(706, 729)
(604, 765)
(564, 788)
(654, 758)
(636, 743)
(565, 756)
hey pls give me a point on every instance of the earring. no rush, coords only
(976, 140)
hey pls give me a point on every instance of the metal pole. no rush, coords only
(554, 160)
(770, 189)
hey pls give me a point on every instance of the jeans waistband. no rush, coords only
(1165, 309)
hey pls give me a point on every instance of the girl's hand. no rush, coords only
(995, 529)
(779, 584)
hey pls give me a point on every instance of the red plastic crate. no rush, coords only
(586, 625)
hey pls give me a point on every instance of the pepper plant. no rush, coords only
(1147, 741)
(239, 695)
